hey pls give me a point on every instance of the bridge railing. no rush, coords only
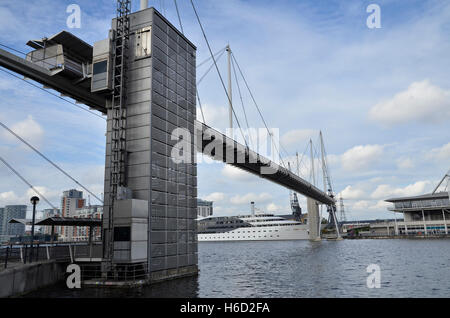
(60, 251)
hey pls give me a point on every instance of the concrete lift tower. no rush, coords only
(152, 201)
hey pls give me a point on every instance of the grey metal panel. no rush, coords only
(138, 108)
(136, 158)
(171, 249)
(171, 224)
(159, 197)
(159, 210)
(138, 133)
(171, 236)
(138, 121)
(139, 183)
(158, 237)
(158, 184)
(158, 250)
(138, 97)
(139, 64)
(136, 145)
(171, 262)
(157, 264)
(182, 248)
(158, 223)
(172, 211)
(141, 195)
(144, 84)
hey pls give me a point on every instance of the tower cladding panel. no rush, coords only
(161, 92)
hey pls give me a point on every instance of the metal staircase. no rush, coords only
(118, 114)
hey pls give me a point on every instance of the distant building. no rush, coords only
(423, 214)
(81, 233)
(70, 202)
(48, 213)
(2, 211)
(204, 208)
(12, 212)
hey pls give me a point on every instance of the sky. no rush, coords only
(380, 96)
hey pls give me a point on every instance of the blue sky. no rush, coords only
(380, 96)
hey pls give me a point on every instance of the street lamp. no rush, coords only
(34, 201)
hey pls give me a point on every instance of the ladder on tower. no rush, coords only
(118, 114)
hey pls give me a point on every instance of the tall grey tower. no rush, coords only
(154, 213)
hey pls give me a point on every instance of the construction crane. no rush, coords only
(342, 216)
(331, 209)
(295, 205)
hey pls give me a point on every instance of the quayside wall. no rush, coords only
(19, 280)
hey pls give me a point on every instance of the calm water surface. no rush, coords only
(288, 269)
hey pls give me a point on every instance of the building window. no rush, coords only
(122, 234)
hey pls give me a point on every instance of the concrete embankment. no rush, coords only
(22, 279)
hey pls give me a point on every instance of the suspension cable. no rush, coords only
(196, 90)
(218, 72)
(209, 58)
(48, 160)
(257, 108)
(201, 108)
(29, 184)
(242, 101)
(210, 68)
(179, 17)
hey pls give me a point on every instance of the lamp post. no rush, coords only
(34, 201)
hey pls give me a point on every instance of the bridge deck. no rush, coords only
(231, 152)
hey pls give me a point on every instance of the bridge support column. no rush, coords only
(313, 220)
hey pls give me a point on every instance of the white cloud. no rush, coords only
(380, 205)
(351, 193)
(8, 198)
(51, 195)
(361, 157)
(405, 163)
(361, 205)
(251, 197)
(385, 191)
(272, 207)
(441, 153)
(234, 173)
(297, 138)
(215, 116)
(215, 197)
(422, 102)
(28, 129)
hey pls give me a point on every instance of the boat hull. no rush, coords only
(268, 233)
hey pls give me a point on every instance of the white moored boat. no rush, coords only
(254, 227)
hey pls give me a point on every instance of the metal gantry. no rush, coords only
(342, 210)
(118, 113)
